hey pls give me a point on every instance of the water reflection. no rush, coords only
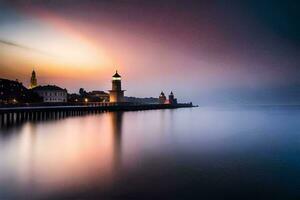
(13, 119)
(116, 124)
(182, 153)
(42, 158)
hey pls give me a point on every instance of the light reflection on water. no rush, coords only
(191, 152)
(49, 156)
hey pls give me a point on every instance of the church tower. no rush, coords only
(116, 94)
(33, 80)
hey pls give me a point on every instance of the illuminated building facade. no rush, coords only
(51, 93)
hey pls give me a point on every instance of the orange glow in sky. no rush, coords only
(54, 48)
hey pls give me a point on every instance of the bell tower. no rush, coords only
(33, 80)
(116, 94)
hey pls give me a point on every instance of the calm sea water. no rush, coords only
(191, 153)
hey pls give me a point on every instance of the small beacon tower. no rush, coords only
(33, 80)
(116, 94)
(172, 99)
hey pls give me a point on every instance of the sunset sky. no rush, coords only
(202, 50)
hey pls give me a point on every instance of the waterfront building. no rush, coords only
(99, 96)
(13, 92)
(51, 93)
(33, 80)
(84, 96)
(116, 94)
(162, 98)
(141, 100)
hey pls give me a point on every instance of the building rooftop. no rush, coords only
(3, 80)
(95, 92)
(48, 87)
(116, 75)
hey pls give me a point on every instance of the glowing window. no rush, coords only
(116, 78)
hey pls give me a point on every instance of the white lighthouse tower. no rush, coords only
(116, 94)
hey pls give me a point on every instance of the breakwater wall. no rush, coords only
(16, 115)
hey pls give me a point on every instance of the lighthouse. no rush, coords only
(116, 94)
